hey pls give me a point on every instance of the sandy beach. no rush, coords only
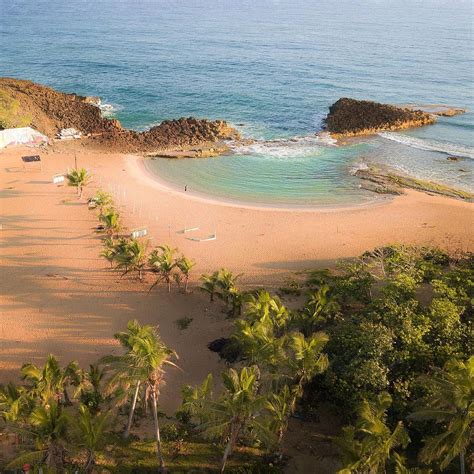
(59, 297)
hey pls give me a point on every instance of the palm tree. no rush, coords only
(103, 200)
(111, 221)
(450, 401)
(226, 284)
(264, 307)
(279, 408)
(142, 364)
(370, 445)
(162, 262)
(91, 429)
(51, 381)
(234, 411)
(79, 178)
(320, 307)
(209, 284)
(185, 265)
(48, 428)
(306, 359)
(15, 402)
(132, 257)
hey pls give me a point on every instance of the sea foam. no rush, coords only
(296, 147)
(430, 145)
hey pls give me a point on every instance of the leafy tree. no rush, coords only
(369, 446)
(78, 178)
(450, 402)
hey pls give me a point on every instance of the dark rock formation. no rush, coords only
(349, 117)
(49, 111)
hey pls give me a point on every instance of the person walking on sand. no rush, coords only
(185, 187)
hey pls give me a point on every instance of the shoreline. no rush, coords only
(139, 164)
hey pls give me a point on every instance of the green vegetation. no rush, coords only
(387, 340)
(10, 116)
(78, 178)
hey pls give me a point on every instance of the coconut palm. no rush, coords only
(79, 178)
(185, 265)
(102, 200)
(15, 402)
(320, 307)
(51, 381)
(162, 262)
(132, 257)
(110, 219)
(305, 358)
(48, 427)
(209, 284)
(141, 365)
(234, 411)
(226, 284)
(369, 446)
(450, 402)
(264, 307)
(90, 433)
(279, 409)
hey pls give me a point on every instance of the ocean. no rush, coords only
(271, 68)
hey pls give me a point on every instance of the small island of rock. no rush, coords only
(350, 117)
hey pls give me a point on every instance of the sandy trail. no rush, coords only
(59, 297)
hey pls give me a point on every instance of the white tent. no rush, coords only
(21, 136)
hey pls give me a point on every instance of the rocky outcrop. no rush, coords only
(384, 182)
(50, 111)
(439, 110)
(350, 117)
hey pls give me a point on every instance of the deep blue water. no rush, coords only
(273, 67)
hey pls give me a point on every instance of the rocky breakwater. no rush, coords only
(184, 137)
(351, 117)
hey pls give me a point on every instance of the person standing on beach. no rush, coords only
(185, 187)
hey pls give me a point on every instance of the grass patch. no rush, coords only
(10, 113)
(183, 323)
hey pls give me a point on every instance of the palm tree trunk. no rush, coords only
(90, 462)
(132, 411)
(234, 433)
(462, 462)
(157, 431)
(186, 281)
(169, 285)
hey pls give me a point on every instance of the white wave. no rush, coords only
(297, 147)
(108, 110)
(430, 145)
(360, 166)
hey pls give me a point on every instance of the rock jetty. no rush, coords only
(351, 117)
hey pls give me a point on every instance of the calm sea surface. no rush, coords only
(272, 68)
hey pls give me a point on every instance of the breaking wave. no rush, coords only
(297, 147)
(430, 145)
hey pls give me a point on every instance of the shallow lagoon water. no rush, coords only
(270, 67)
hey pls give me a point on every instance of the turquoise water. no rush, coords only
(270, 67)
